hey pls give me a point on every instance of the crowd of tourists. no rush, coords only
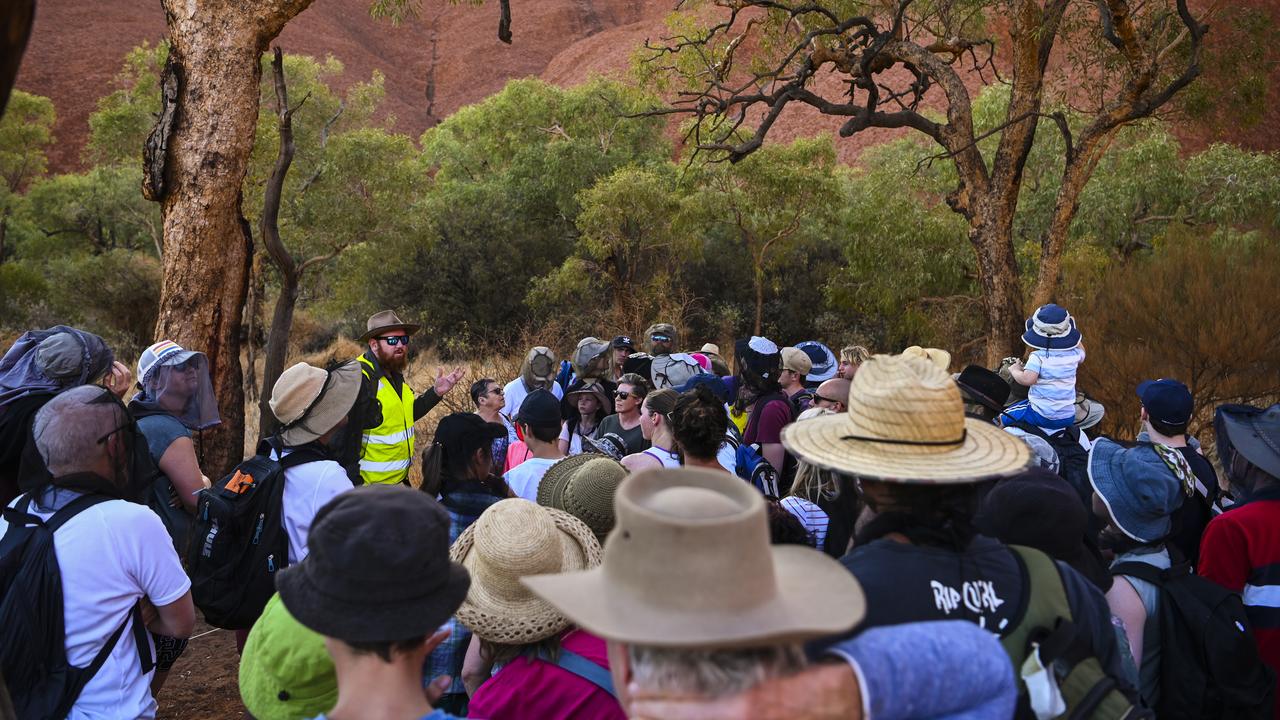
(640, 530)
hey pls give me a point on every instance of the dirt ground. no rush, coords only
(203, 684)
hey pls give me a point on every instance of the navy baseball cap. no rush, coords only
(1167, 401)
(622, 341)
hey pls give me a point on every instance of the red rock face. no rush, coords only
(77, 48)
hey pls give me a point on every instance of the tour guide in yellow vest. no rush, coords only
(386, 444)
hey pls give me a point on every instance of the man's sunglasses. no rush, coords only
(622, 395)
(660, 338)
(817, 398)
(394, 340)
(497, 390)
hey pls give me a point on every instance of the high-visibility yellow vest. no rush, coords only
(387, 450)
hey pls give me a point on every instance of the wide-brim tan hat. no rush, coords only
(385, 321)
(937, 356)
(710, 349)
(309, 401)
(689, 564)
(906, 423)
(513, 538)
(584, 485)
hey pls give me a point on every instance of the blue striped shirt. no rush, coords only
(1053, 396)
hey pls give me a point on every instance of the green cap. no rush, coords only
(285, 671)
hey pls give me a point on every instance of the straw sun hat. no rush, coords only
(906, 423)
(511, 539)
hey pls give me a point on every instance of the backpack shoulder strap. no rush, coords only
(583, 668)
(1044, 599)
(21, 513)
(1154, 575)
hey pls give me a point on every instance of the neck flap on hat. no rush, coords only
(180, 387)
(21, 376)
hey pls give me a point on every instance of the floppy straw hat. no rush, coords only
(906, 423)
(583, 485)
(513, 538)
(309, 401)
(381, 322)
(937, 356)
(689, 564)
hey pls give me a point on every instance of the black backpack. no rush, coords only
(33, 656)
(1211, 667)
(238, 541)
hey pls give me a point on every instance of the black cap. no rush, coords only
(622, 341)
(540, 407)
(464, 428)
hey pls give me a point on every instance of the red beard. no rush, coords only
(392, 362)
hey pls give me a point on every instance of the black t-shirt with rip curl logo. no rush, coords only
(983, 585)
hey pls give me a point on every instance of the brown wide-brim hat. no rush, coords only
(906, 423)
(689, 565)
(386, 321)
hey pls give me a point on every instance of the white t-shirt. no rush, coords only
(524, 478)
(727, 456)
(110, 555)
(307, 488)
(1053, 395)
(515, 394)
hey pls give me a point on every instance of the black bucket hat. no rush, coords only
(378, 568)
(1251, 431)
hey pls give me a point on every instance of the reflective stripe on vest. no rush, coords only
(387, 449)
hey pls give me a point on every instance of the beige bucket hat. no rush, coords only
(584, 485)
(689, 564)
(906, 423)
(309, 401)
(511, 539)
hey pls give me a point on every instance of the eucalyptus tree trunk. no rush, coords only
(196, 160)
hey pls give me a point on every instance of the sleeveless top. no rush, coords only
(664, 456)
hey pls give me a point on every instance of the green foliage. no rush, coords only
(119, 127)
(629, 254)
(500, 186)
(908, 275)
(90, 212)
(25, 131)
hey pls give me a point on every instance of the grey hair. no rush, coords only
(711, 673)
(68, 427)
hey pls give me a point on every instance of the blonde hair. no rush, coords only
(814, 484)
(856, 354)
